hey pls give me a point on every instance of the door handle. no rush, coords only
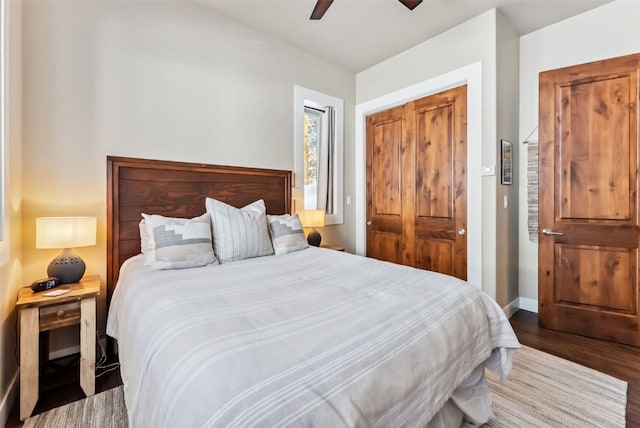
(548, 231)
(461, 231)
(369, 223)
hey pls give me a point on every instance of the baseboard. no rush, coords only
(528, 304)
(523, 303)
(59, 353)
(9, 400)
(512, 307)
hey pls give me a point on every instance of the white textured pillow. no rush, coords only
(287, 234)
(179, 243)
(147, 245)
(239, 233)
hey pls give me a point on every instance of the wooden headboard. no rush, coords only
(178, 189)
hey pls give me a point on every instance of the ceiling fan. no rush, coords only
(322, 6)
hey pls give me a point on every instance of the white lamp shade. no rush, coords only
(311, 218)
(65, 232)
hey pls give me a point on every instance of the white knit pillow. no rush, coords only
(147, 244)
(179, 242)
(146, 238)
(239, 233)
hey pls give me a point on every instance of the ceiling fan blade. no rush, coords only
(411, 4)
(320, 8)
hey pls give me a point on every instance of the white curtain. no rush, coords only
(325, 164)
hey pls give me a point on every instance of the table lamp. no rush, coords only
(66, 233)
(313, 219)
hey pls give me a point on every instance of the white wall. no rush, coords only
(608, 31)
(471, 42)
(507, 59)
(11, 247)
(163, 80)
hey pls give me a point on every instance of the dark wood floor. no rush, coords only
(60, 385)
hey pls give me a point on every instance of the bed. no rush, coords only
(312, 337)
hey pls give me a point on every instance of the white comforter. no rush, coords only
(313, 338)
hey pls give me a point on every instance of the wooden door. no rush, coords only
(416, 183)
(588, 246)
(386, 144)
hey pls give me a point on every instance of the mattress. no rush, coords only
(311, 338)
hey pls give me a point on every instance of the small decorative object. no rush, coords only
(312, 219)
(66, 233)
(506, 170)
(45, 284)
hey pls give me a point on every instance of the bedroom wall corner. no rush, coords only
(11, 246)
(569, 42)
(507, 75)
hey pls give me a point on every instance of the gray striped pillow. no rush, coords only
(287, 234)
(239, 233)
(179, 243)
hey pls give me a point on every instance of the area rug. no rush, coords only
(103, 410)
(542, 391)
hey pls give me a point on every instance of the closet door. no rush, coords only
(439, 209)
(588, 246)
(416, 183)
(386, 144)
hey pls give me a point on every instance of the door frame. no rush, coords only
(471, 75)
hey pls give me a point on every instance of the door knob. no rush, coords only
(548, 231)
(461, 231)
(369, 223)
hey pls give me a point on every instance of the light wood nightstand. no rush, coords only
(41, 313)
(332, 247)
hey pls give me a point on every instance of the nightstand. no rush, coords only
(332, 247)
(41, 313)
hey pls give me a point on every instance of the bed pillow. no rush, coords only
(239, 233)
(179, 243)
(146, 238)
(287, 234)
(147, 244)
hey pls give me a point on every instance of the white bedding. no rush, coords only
(312, 338)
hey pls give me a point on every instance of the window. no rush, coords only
(318, 153)
(319, 139)
(311, 131)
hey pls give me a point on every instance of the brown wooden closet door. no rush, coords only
(440, 203)
(416, 183)
(588, 250)
(385, 142)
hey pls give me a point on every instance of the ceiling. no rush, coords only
(357, 34)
